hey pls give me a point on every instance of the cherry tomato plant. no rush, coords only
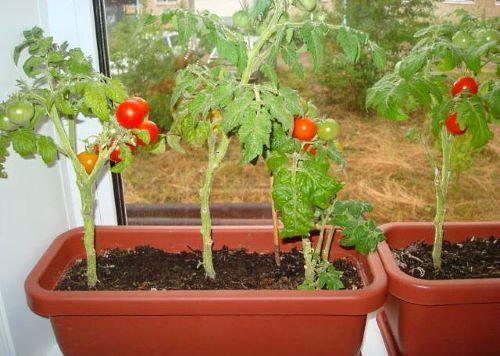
(460, 107)
(212, 105)
(62, 89)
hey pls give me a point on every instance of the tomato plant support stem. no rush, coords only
(276, 232)
(328, 244)
(87, 207)
(308, 258)
(442, 179)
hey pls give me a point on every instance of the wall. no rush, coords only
(38, 203)
(483, 8)
(32, 209)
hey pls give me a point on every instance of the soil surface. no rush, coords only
(147, 268)
(475, 258)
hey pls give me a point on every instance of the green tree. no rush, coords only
(390, 23)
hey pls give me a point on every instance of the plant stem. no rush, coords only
(276, 233)
(308, 259)
(215, 157)
(87, 209)
(441, 180)
(328, 245)
(84, 184)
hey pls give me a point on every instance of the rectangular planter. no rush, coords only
(438, 317)
(225, 322)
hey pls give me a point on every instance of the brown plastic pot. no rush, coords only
(438, 317)
(229, 322)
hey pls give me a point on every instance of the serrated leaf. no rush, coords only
(186, 26)
(275, 161)
(95, 98)
(270, 73)
(349, 43)
(313, 37)
(224, 94)
(47, 149)
(115, 90)
(234, 112)
(279, 110)
(254, 133)
(293, 203)
(378, 55)
(174, 142)
(412, 64)
(24, 142)
(289, 55)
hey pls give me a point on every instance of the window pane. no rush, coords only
(146, 58)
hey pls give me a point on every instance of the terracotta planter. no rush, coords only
(441, 317)
(200, 322)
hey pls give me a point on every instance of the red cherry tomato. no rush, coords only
(308, 148)
(144, 104)
(452, 125)
(129, 114)
(304, 129)
(463, 83)
(115, 155)
(153, 130)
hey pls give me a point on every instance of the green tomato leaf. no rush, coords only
(254, 133)
(349, 43)
(24, 142)
(95, 98)
(174, 142)
(4, 144)
(47, 149)
(115, 90)
(235, 111)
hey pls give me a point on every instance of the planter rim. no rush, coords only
(47, 302)
(437, 292)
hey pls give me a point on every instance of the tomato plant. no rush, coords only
(416, 83)
(214, 105)
(241, 19)
(63, 86)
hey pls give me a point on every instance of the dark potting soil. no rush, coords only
(147, 268)
(474, 258)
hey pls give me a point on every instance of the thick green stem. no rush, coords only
(215, 156)
(328, 245)
(442, 179)
(308, 259)
(87, 208)
(84, 183)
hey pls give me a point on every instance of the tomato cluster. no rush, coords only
(305, 129)
(130, 114)
(460, 85)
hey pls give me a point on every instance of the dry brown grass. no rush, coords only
(383, 167)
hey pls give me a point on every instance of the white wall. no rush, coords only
(38, 203)
(32, 210)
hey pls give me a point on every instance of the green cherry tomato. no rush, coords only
(308, 5)
(462, 39)
(241, 19)
(20, 112)
(328, 130)
(5, 124)
(487, 35)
